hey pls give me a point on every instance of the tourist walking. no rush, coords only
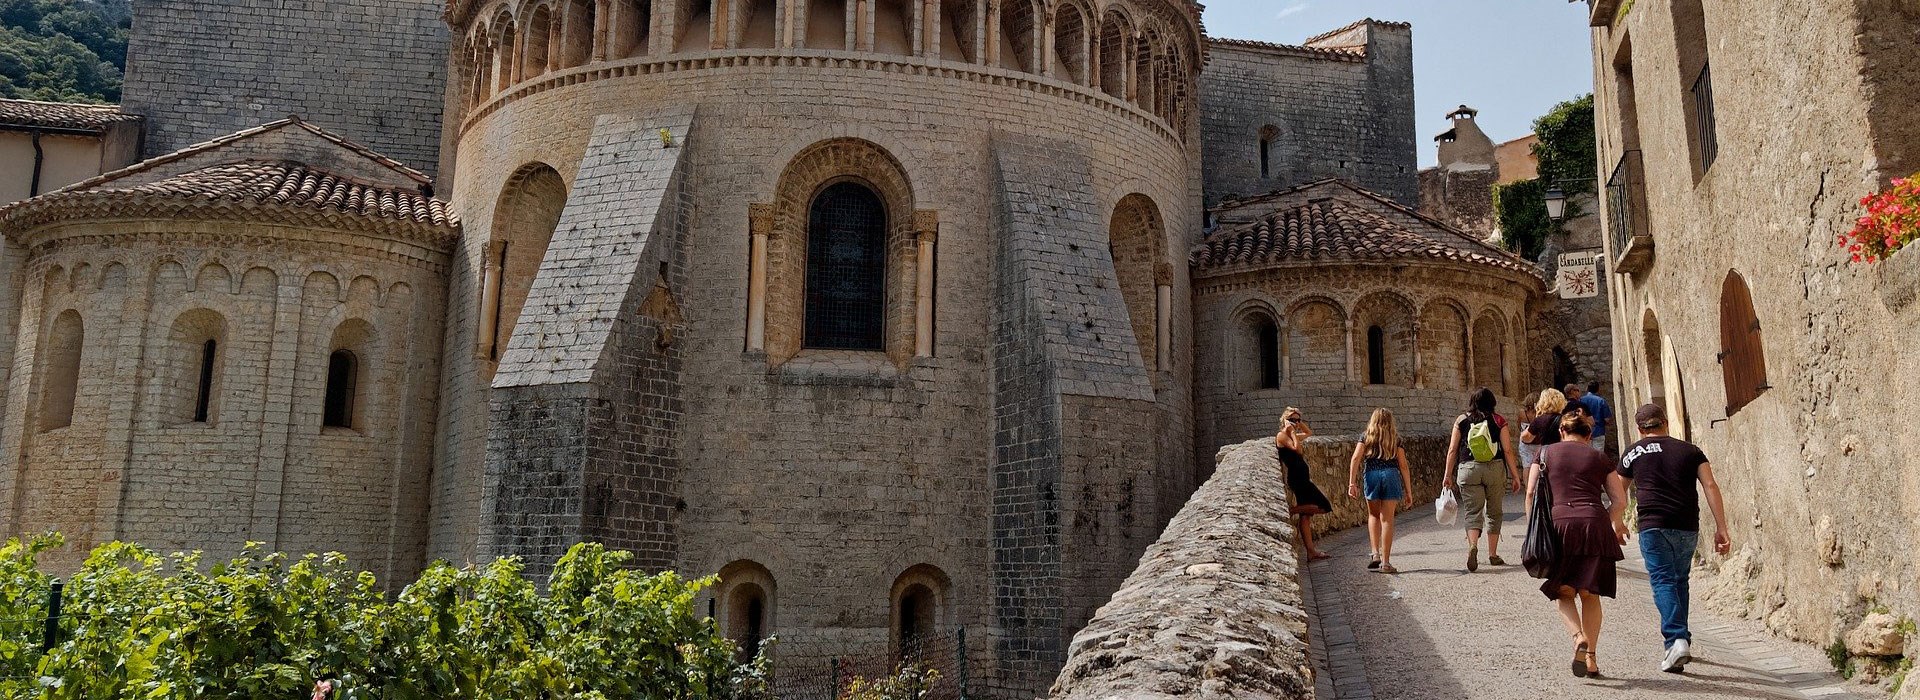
(1308, 501)
(1577, 479)
(1379, 458)
(1595, 407)
(1664, 470)
(1477, 454)
(1544, 429)
(1529, 453)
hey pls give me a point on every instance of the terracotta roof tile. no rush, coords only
(1338, 54)
(1337, 230)
(61, 115)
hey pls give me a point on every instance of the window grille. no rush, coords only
(846, 269)
(1703, 125)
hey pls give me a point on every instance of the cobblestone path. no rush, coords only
(1436, 632)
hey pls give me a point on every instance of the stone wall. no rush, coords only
(1822, 496)
(1345, 114)
(373, 70)
(1331, 456)
(1213, 609)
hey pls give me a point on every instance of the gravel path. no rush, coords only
(1434, 631)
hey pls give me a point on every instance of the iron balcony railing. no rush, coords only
(1626, 213)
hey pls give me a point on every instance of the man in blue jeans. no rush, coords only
(1664, 470)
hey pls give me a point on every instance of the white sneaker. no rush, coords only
(1677, 658)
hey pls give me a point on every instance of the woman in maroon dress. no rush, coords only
(1591, 532)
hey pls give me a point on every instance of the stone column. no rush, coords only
(602, 19)
(1350, 363)
(1163, 318)
(1419, 376)
(1286, 358)
(490, 299)
(760, 229)
(926, 232)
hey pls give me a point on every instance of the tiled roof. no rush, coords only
(61, 115)
(1339, 54)
(217, 142)
(272, 190)
(1330, 230)
(1332, 32)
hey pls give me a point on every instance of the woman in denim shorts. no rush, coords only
(1387, 486)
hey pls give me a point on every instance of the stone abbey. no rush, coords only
(899, 315)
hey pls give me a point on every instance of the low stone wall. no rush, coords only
(1214, 608)
(1330, 456)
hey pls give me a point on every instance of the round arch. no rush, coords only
(1136, 237)
(524, 218)
(920, 607)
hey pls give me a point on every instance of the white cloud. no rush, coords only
(1292, 8)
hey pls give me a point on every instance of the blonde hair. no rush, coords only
(1383, 438)
(1551, 401)
(1527, 405)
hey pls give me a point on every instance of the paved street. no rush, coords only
(1435, 632)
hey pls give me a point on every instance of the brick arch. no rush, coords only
(743, 584)
(1384, 356)
(1316, 341)
(524, 218)
(1115, 32)
(505, 33)
(1444, 351)
(919, 587)
(1136, 235)
(1255, 346)
(193, 365)
(536, 31)
(1492, 351)
(1073, 28)
(805, 176)
(1020, 29)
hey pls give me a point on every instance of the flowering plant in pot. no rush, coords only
(1892, 221)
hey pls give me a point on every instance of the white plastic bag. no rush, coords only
(1446, 508)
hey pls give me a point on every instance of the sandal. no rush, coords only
(1579, 665)
(1495, 560)
(1473, 559)
(1373, 561)
(1388, 569)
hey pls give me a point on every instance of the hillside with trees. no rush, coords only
(63, 50)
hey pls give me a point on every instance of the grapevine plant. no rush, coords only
(135, 624)
(1892, 221)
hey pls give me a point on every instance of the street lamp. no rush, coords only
(1556, 203)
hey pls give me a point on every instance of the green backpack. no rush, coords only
(1480, 441)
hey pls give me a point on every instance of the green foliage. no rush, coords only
(1838, 656)
(1567, 150)
(135, 624)
(1520, 209)
(63, 50)
(908, 682)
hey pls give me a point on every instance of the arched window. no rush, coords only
(1269, 341)
(203, 394)
(1267, 136)
(1070, 44)
(343, 380)
(1490, 351)
(1136, 234)
(827, 24)
(60, 366)
(758, 27)
(1316, 343)
(1113, 54)
(745, 597)
(506, 69)
(536, 43)
(846, 269)
(576, 33)
(1743, 358)
(1017, 32)
(919, 601)
(1376, 355)
(960, 33)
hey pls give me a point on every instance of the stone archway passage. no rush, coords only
(1434, 631)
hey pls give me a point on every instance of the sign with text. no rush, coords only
(1579, 277)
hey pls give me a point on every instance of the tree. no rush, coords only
(63, 50)
(1568, 158)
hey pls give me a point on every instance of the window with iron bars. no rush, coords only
(1703, 122)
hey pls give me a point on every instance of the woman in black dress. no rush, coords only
(1308, 501)
(1591, 532)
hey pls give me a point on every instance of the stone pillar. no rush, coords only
(602, 19)
(1163, 318)
(1350, 363)
(1419, 376)
(490, 299)
(1286, 358)
(926, 232)
(760, 230)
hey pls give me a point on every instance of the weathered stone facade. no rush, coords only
(614, 334)
(1733, 306)
(1341, 106)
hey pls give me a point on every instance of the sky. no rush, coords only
(1511, 59)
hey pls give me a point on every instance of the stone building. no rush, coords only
(1736, 142)
(1568, 340)
(882, 310)
(1339, 301)
(58, 144)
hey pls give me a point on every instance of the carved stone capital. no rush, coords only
(926, 225)
(760, 219)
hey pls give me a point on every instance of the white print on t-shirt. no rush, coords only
(1639, 452)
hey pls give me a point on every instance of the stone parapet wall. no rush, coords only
(1214, 608)
(1329, 458)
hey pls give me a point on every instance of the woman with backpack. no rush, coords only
(1388, 488)
(1478, 456)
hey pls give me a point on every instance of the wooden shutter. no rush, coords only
(1743, 361)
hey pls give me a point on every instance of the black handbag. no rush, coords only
(1542, 546)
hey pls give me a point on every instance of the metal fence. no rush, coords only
(945, 656)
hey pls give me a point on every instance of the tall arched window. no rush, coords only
(343, 383)
(1070, 44)
(203, 394)
(536, 43)
(1743, 358)
(1269, 341)
(1113, 54)
(1267, 136)
(60, 366)
(846, 269)
(1017, 32)
(919, 599)
(1376, 355)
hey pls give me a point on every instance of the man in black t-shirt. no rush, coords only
(1664, 470)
